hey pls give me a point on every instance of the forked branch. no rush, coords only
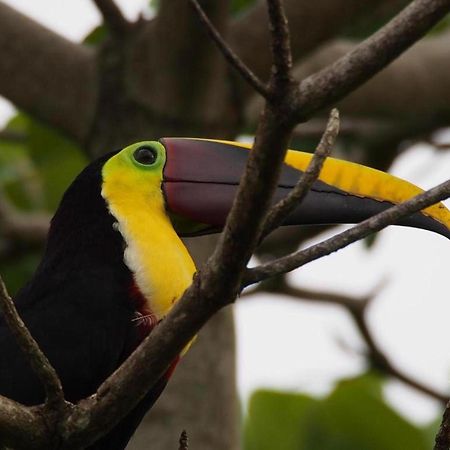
(285, 206)
(343, 76)
(113, 17)
(357, 308)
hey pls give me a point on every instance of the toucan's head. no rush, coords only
(196, 180)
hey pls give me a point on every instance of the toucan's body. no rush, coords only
(114, 263)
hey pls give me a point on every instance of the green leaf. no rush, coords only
(17, 271)
(96, 36)
(56, 159)
(15, 165)
(353, 417)
(441, 27)
(154, 4)
(277, 420)
(239, 6)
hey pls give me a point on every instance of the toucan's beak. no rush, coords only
(201, 178)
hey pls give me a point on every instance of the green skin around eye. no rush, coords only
(158, 165)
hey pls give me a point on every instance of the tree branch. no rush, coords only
(357, 308)
(69, 69)
(311, 24)
(22, 428)
(113, 17)
(405, 96)
(200, 94)
(341, 240)
(337, 80)
(38, 361)
(285, 206)
(280, 45)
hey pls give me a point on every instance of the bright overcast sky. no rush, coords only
(305, 347)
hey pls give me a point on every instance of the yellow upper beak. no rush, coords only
(201, 177)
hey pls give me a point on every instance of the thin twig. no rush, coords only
(184, 441)
(232, 58)
(441, 146)
(23, 427)
(357, 308)
(280, 45)
(113, 17)
(285, 206)
(382, 362)
(341, 240)
(38, 361)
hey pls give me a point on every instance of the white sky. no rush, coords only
(306, 347)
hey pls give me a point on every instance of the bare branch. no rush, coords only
(57, 85)
(404, 98)
(312, 23)
(229, 54)
(341, 240)
(441, 146)
(357, 308)
(202, 96)
(279, 285)
(113, 17)
(280, 45)
(337, 80)
(38, 361)
(22, 428)
(381, 361)
(285, 206)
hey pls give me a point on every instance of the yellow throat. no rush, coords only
(160, 263)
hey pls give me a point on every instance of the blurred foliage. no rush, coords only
(441, 27)
(354, 416)
(35, 170)
(96, 36)
(239, 6)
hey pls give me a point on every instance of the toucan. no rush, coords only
(114, 262)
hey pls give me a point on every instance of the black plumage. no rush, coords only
(78, 306)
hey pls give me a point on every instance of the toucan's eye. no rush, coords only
(145, 155)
